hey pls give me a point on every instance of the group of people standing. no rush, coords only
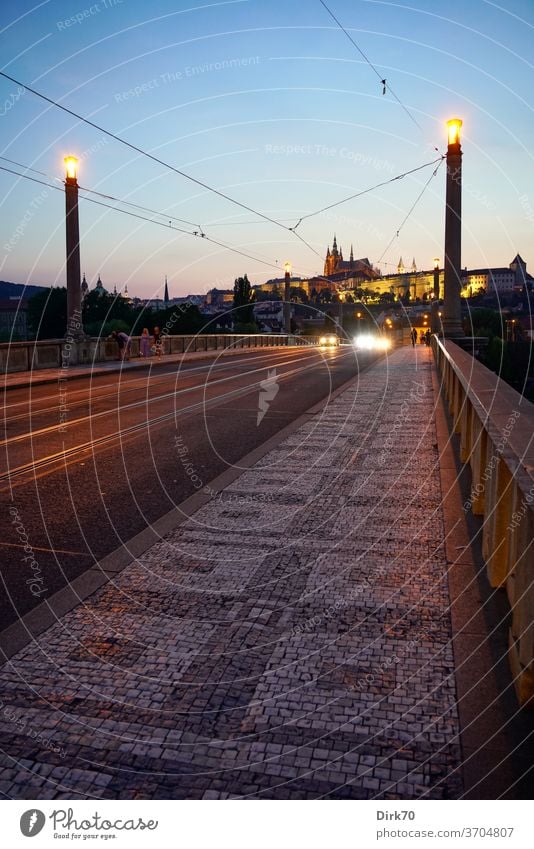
(424, 337)
(148, 343)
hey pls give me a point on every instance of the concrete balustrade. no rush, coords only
(59, 353)
(496, 427)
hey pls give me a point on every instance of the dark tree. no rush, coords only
(47, 314)
(244, 297)
(297, 293)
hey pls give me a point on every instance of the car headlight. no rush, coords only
(332, 340)
(322, 340)
(367, 342)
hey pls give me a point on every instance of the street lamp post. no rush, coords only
(434, 308)
(74, 315)
(452, 307)
(287, 296)
(436, 278)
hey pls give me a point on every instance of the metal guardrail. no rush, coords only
(54, 353)
(496, 427)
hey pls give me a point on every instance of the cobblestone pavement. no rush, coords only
(290, 640)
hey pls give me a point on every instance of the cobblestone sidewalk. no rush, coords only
(290, 640)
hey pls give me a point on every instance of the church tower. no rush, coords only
(333, 258)
(400, 267)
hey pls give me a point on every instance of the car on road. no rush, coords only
(329, 340)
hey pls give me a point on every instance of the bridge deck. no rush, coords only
(291, 639)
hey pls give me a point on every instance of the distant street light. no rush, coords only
(287, 295)
(72, 227)
(452, 307)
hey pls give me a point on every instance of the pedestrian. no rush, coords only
(157, 341)
(427, 337)
(413, 336)
(124, 342)
(144, 343)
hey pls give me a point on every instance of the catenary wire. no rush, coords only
(414, 204)
(384, 82)
(150, 220)
(366, 191)
(142, 152)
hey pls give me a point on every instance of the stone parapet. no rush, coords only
(60, 353)
(496, 428)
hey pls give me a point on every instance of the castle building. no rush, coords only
(337, 269)
(334, 262)
(500, 281)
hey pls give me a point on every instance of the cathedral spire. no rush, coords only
(166, 295)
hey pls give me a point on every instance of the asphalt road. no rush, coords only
(84, 472)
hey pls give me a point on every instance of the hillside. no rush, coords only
(17, 290)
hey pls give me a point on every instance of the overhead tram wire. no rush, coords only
(28, 168)
(366, 191)
(414, 204)
(197, 235)
(101, 194)
(194, 179)
(142, 152)
(143, 208)
(384, 82)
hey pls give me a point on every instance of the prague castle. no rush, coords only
(337, 269)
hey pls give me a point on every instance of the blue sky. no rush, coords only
(270, 103)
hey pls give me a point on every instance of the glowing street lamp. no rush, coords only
(453, 131)
(452, 309)
(72, 227)
(287, 296)
(71, 167)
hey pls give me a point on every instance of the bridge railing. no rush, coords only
(496, 428)
(58, 353)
